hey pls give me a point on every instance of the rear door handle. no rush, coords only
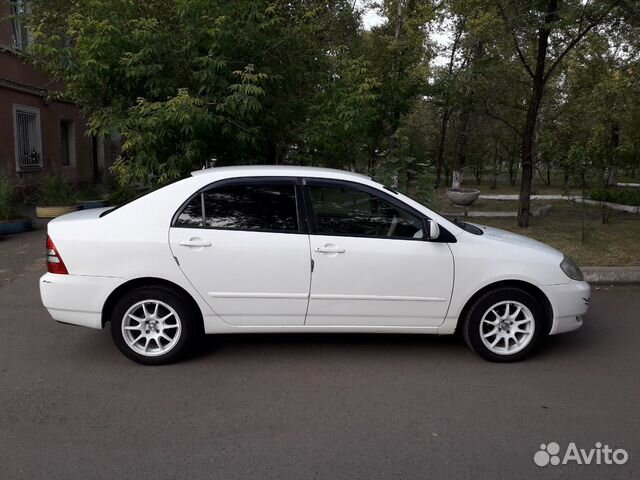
(327, 249)
(194, 243)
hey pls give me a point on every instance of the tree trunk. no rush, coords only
(512, 168)
(443, 137)
(461, 145)
(495, 164)
(446, 113)
(524, 206)
(271, 153)
(549, 173)
(612, 170)
(528, 136)
(456, 179)
(395, 114)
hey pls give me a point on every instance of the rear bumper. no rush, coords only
(77, 299)
(569, 303)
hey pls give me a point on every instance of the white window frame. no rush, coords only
(38, 134)
(20, 8)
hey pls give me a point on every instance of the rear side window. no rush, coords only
(251, 206)
(191, 215)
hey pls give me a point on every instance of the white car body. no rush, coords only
(263, 282)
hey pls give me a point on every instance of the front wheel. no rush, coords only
(504, 325)
(153, 325)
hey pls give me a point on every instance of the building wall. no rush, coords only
(21, 84)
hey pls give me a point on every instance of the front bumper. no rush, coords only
(77, 299)
(569, 302)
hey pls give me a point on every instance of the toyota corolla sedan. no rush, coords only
(297, 249)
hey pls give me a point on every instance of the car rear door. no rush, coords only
(371, 265)
(243, 244)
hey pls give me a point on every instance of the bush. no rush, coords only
(616, 195)
(7, 198)
(121, 195)
(90, 191)
(56, 191)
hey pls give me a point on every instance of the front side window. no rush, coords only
(343, 210)
(251, 206)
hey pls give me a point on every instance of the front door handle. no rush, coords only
(330, 249)
(194, 243)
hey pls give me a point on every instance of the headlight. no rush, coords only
(570, 269)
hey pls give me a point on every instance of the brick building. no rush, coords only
(38, 136)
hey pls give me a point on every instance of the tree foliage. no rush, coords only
(494, 88)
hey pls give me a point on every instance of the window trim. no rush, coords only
(263, 180)
(18, 9)
(27, 109)
(445, 235)
(70, 126)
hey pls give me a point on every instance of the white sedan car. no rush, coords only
(297, 249)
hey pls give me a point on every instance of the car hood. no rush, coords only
(497, 235)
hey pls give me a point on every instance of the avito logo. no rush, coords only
(549, 454)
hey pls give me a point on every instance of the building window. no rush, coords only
(28, 138)
(67, 142)
(20, 34)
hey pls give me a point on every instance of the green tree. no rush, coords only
(185, 81)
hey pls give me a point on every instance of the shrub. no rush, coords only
(121, 195)
(7, 198)
(616, 195)
(57, 191)
(90, 191)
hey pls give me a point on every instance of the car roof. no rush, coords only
(277, 170)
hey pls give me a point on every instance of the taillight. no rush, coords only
(54, 260)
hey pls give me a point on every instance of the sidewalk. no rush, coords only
(612, 275)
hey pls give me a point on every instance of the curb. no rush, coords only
(612, 275)
(574, 198)
(510, 197)
(536, 212)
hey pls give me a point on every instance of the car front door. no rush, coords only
(243, 245)
(372, 266)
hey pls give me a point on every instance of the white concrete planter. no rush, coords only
(54, 211)
(613, 206)
(462, 196)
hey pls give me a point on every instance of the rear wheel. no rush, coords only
(504, 325)
(154, 325)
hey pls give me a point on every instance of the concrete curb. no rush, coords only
(612, 275)
(533, 197)
(536, 212)
(574, 198)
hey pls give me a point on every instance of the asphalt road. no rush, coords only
(307, 406)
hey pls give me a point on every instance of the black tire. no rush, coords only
(471, 325)
(183, 339)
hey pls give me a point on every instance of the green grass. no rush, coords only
(482, 205)
(571, 227)
(615, 243)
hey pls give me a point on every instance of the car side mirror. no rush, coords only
(432, 230)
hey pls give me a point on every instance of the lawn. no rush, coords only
(573, 228)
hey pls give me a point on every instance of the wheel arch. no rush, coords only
(130, 285)
(521, 284)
